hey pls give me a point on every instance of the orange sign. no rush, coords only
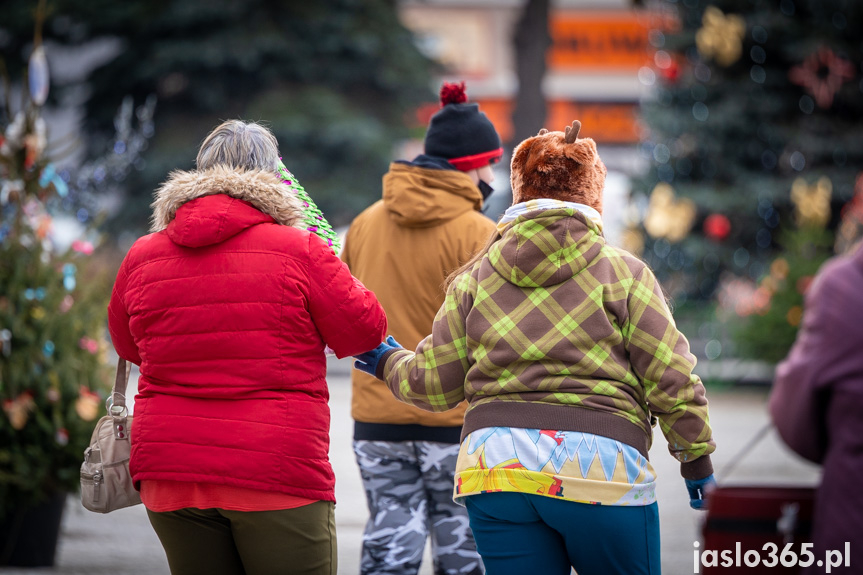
(605, 122)
(599, 40)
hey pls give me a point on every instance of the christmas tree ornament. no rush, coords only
(812, 202)
(62, 436)
(5, 342)
(313, 219)
(66, 303)
(717, 227)
(34, 143)
(18, 410)
(50, 176)
(88, 404)
(82, 247)
(11, 191)
(737, 294)
(822, 74)
(779, 269)
(794, 315)
(668, 217)
(850, 230)
(632, 240)
(37, 76)
(671, 73)
(721, 36)
(89, 344)
(69, 281)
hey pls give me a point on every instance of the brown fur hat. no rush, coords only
(558, 165)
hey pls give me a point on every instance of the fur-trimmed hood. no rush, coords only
(263, 190)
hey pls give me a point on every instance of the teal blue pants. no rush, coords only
(519, 533)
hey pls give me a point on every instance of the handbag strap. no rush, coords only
(116, 402)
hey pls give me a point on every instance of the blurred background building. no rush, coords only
(558, 61)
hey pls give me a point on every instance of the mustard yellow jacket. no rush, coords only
(402, 248)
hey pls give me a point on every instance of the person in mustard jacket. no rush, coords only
(403, 247)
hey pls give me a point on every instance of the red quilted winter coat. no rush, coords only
(227, 309)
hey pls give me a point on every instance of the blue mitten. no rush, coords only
(698, 490)
(368, 361)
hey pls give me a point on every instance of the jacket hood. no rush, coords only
(419, 197)
(546, 247)
(209, 206)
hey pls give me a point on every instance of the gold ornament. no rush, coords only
(794, 315)
(850, 231)
(668, 217)
(721, 36)
(779, 269)
(632, 241)
(18, 410)
(812, 202)
(87, 404)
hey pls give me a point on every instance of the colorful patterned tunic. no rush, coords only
(568, 465)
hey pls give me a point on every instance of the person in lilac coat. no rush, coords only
(817, 402)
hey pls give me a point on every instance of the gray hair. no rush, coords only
(239, 144)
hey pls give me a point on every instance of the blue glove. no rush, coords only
(698, 490)
(368, 361)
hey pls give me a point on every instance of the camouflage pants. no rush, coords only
(409, 487)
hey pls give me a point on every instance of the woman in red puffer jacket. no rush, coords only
(227, 308)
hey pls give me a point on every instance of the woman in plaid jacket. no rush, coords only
(567, 354)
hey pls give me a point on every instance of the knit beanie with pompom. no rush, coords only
(460, 133)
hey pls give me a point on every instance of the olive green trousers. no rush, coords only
(219, 542)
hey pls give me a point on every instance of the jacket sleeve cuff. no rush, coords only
(382, 363)
(697, 468)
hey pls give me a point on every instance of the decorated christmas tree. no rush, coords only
(766, 320)
(54, 290)
(52, 344)
(756, 108)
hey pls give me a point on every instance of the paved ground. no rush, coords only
(123, 542)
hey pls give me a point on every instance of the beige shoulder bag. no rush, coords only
(106, 483)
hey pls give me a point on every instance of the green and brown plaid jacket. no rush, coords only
(554, 329)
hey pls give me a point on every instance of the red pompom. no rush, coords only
(452, 94)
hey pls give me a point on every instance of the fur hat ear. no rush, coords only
(558, 165)
(583, 152)
(571, 132)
